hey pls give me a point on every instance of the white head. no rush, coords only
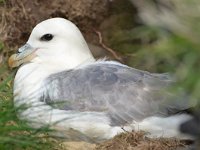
(54, 43)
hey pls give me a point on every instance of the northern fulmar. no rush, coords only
(62, 85)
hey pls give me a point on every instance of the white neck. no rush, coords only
(51, 65)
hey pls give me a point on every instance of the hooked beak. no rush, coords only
(25, 54)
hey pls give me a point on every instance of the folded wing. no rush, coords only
(124, 93)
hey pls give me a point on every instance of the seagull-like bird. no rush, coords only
(61, 84)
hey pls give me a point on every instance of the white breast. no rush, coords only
(28, 84)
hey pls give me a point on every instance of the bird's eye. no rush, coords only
(46, 37)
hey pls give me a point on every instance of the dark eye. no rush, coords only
(46, 37)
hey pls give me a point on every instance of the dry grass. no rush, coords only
(18, 17)
(138, 141)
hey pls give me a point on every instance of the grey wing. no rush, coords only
(124, 93)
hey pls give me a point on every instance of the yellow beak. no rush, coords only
(25, 54)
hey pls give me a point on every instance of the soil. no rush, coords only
(20, 16)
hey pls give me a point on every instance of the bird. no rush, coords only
(60, 84)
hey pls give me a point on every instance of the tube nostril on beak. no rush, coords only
(24, 47)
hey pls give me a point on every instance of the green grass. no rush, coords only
(15, 134)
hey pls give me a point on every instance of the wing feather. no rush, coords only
(124, 93)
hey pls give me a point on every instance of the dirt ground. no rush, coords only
(17, 19)
(20, 16)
